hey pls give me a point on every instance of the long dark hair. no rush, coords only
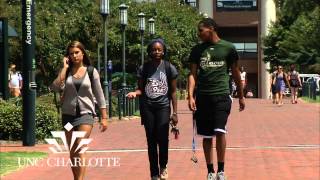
(77, 44)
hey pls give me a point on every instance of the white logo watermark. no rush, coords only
(61, 134)
(66, 161)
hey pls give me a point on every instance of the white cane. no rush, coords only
(194, 157)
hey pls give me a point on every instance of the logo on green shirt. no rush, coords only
(209, 61)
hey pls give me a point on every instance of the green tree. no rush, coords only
(61, 21)
(293, 37)
(302, 41)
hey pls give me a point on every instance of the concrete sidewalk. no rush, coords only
(264, 142)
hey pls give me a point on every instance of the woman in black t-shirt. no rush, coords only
(157, 88)
(295, 83)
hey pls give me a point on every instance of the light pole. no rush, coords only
(151, 27)
(104, 10)
(110, 86)
(4, 56)
(123, 21)
(142, 28)
(99, 58)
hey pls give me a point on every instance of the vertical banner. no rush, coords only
(29, 66)
(110, 87)
(4, 56)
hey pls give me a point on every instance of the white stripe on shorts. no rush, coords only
(231, 98)
(217, 130)
(220, 130)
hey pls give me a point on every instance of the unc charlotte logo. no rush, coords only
(61, 134)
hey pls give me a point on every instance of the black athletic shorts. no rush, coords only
(212, 114)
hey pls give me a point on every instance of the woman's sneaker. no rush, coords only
(164, 174)
(220, 176)
(211, 176)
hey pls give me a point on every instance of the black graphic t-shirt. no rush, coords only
(156, 85)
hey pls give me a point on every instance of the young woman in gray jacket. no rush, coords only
(79, 91)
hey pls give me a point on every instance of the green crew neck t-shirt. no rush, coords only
(214, 61)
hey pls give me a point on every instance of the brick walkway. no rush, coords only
(264, 142)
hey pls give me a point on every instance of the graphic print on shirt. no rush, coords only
(209, 61)
(156, 88)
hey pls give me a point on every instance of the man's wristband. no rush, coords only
(174, 113)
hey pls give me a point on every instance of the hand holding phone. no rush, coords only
(66, 62)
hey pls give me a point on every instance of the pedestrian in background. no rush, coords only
(15, 81)
(244, 80)
(295, 83)
(280, 82)
(157, 87)
(272, 85)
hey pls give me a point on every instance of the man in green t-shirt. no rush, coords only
(210, 62)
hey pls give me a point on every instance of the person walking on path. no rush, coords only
(212, 102)
(272, 86)
(280, 82)
(244, 80)
(295, 83)
(15, 81)
(157, 87)
(80, 84)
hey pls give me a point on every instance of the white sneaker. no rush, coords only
(211, 176)
(220, 176)
(164, 174)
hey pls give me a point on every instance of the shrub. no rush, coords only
(131, 79)
(114, 100)
(47, 119)
(10, 121)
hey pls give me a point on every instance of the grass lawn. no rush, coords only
(9, 160)
(312, 100)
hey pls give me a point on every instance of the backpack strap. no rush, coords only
(168, 70)
(144, 73)
(169, 77)
(19, 74)
(90, 73)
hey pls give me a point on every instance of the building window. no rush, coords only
(192, 3)
(247, 50)
(250, 47)
(236, 5)
(246, 47)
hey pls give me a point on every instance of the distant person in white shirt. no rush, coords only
(243, 76)
(15, 81)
